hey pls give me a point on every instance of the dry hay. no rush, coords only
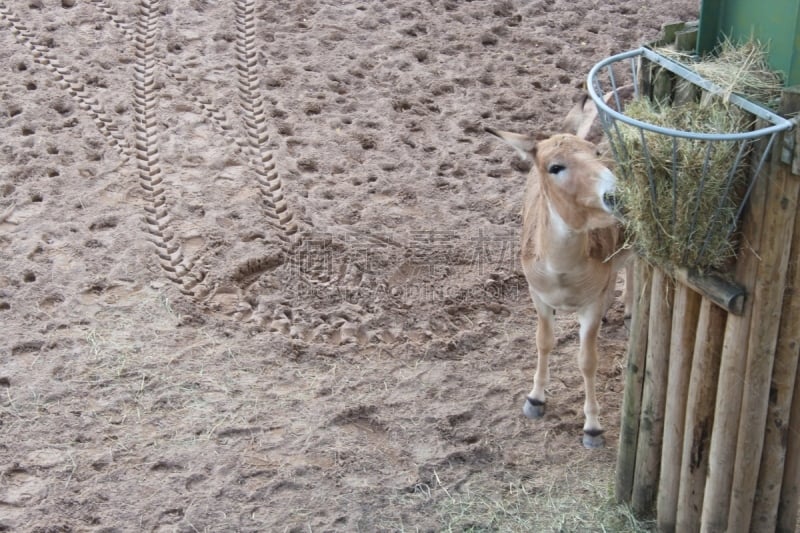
(736, 68)
(680, 207)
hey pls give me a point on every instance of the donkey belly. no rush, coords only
(566, 300)
(568, 291)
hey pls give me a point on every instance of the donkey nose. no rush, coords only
(614, 205)
(611, 201)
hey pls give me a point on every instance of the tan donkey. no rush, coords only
(571, 252)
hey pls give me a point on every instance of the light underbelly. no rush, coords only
(564, 300)
(568, 291)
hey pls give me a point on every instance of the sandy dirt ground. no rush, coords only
(258, 265)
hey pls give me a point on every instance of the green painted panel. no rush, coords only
(775, 22)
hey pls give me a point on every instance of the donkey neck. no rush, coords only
(567, 248)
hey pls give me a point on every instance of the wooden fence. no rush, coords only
(710, 433)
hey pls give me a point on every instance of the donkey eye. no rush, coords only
(555, 168)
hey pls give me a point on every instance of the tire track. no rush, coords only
(253, 144)
(115, 19)
(43, 56)
(157, 219)
(175, 72)
(273, 198)
(261, 159)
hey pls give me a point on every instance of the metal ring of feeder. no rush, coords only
(778, 123)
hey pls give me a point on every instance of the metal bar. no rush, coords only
(778, 123)
(612, 142)
(625, 152)
(674, 182)
(614, 90)
(723, 198)
(755, 174)
(596, 87)
(607, 123)
(652, 182)
(698, 194)
(635, 76)
(696, 79)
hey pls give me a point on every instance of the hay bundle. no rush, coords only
(681, 196)
(737, 68)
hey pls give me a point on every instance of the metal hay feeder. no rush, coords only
(751, 148)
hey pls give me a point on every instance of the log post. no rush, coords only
(662, 86)
(776, 238)
(720, 291)
(684, 331)
(644, 70)
(654, 394)
(685, 92)
(634, 375)
(699, 415)
(716, 498)
(686, 41)
(781, 439)
(790, 488)
(669, 32)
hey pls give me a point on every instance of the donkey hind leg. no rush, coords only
(589, 320)
(545, 340)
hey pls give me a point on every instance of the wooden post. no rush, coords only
(778, 435)
(662, 86)
(643, 70)
(632, 398)
(778, 225)
(686, 40)
(686, 91)
(790, 488)
(654, 394)
(699, 415)
(716, 498)
(722, 292)
(779, 474)
(670, 30)
(684, 331)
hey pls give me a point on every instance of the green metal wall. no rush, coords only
(773, 22)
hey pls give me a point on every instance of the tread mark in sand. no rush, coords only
(251, 100)
(67, 81)
(168, 249)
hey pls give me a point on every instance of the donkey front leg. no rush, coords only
(628, 294)
(590, 319)
(545, 340)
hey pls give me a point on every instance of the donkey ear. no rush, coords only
(581, 117)
(524, 144)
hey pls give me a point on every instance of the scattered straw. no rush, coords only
(737, 68)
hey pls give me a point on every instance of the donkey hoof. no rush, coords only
(533, 408)
(593, 438)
